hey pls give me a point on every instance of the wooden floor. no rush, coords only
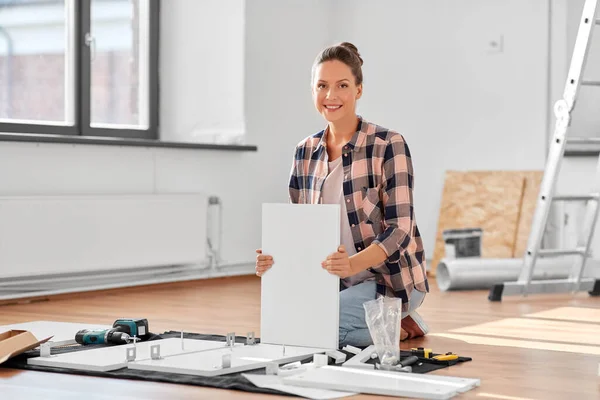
(557, 356)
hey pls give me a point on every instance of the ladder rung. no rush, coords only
(584, 197)
(590, 83)
(559, 252)
(583, 140)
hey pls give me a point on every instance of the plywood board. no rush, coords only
(382, 382)
(533, 180)
(243, 358)
(300, 299)
(538, 329)
(522, 344)
(61, 331)
(110, 358)
(490, 200)
(581, 314)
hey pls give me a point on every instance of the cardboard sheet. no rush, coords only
(15, 342)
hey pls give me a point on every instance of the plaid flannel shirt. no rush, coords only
(378, 190)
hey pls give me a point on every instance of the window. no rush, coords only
(79, 67)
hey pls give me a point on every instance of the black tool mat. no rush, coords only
(233, 381)
(425, 365)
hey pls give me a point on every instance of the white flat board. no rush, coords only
(300, 299)
(276, 383)
(383, 383)
(209, 363)
(110, 358)
(61, 331)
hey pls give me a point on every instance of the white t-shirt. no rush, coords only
(333, 193)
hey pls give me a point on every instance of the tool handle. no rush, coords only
(409, 361)
(446, 357)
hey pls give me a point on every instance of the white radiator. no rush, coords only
(51, 242)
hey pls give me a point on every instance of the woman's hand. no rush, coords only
(338, 263)
(263, 262)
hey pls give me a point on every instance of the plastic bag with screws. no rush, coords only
(383, 316)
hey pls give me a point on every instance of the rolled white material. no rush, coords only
(483, 273)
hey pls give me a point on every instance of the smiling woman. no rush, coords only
(367, 170)
(337, 84)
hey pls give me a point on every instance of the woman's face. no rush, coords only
(335, 91)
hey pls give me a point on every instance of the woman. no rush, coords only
(367, 170)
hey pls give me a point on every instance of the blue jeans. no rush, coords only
(353, 326)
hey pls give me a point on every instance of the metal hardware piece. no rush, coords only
(231, 339)
(250, 339)
(45, 349)
(130, 353)
(226, 361)
(155, 352)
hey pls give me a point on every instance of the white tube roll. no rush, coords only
(482, 273)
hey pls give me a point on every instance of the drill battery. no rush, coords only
(137, 327)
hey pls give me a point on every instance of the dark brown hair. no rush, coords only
(346, 53)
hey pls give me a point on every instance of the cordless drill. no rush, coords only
(101, 336)
(123, 330)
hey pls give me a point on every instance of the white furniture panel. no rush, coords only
(383, 382)
(276, 382)
(243, 358)
(299, 299)
(110, 358)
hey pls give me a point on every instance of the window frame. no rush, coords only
(82, 85)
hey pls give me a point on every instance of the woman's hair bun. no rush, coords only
(353, 49)
(344, 52)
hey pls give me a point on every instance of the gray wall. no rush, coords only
(431, 74)
(428, 74)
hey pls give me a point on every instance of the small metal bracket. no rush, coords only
(250, 340)
(130, 353)
(45, 349)
(155, 352)
(226, 361)
(231, 339)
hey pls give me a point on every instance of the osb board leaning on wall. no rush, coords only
(533, 181)
(490, 200)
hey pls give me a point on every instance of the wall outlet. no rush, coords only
(495, 44)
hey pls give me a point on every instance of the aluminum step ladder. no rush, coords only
(562, 110)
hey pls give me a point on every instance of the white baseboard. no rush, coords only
(68, 283)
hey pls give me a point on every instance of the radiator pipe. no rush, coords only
(214, 250)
